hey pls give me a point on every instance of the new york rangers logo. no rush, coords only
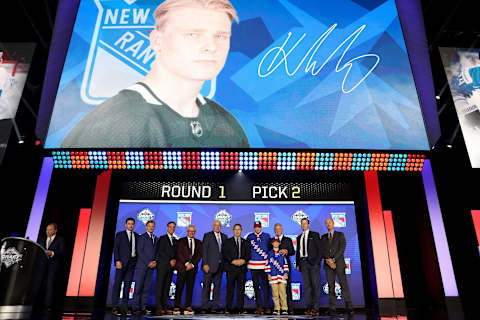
(263, 217)
(120, 52)
(184, 219)
(339, 219)
(295, 291)
(348, 266)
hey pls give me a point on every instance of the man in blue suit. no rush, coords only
(125, 258)
(212, 266)
(55, 247)
(146, 264)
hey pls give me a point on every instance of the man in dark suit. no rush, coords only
(166, 249)
(125, 259)
(146, 264)
(55, 246)
(212, 266)
(286, 248)
(334, 246)
(309, 256)
(189, 253)
(236, 253)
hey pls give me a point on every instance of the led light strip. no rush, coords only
(216, 160)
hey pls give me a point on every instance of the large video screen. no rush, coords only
(293, 74)
(288, 214)
(462, 67)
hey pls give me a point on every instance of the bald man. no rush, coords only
(334, 244)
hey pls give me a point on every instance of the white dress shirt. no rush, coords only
(304, 234)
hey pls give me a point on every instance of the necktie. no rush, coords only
(131, 242)
(304, 249)
(153, 239)
(330, 237)
(49, 241)
(190, 246)
(219, 241)
(238, 248)
(171, 241)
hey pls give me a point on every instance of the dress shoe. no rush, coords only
(159, 312)
(176, 311)
(242, 311)
(116, 311)
(129, 311)
(332, 312)
(168, 311)
(188, 311)
(307, 312)
(349, 310)
(290, 312)
(268, 311)
(259, 311)
(314, 313)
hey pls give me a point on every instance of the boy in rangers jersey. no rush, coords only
(259, 245)
(191, 41)
(277, 271)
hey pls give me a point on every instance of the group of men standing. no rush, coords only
(268, 259)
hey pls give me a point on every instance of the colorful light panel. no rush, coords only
(216, 160)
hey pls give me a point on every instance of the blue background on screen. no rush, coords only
(203, 216)
(370, 103)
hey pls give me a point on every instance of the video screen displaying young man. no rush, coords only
(191, 41)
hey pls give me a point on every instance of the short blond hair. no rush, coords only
(167, 5)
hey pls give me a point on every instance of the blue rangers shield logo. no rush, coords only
(263, 217)
(184, 219)
(295, 291)
(120, 53)
(338, 290)
(339, 219)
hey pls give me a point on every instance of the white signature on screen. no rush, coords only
(280, 55)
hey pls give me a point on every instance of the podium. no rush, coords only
(22, 268)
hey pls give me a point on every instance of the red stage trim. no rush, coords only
(95, 234)
(476, 224)
(78, 253)
(379, 238)
(393, 255)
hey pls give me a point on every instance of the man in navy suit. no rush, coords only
(212, 266)
(309, 256)
(166, 250)
(55, 246)
(125, 258)
(146, 264)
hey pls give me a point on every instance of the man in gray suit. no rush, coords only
(334, 244)
(212, 267)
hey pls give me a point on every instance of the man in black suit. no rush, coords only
(188, 255)
(334, 246)
(166, 248)
(236, 253)
(212, 266)
(125, 259)
(55, 246)
(286, 248)
(309, 256)
(146, 264)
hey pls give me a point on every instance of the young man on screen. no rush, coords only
(191, 41)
